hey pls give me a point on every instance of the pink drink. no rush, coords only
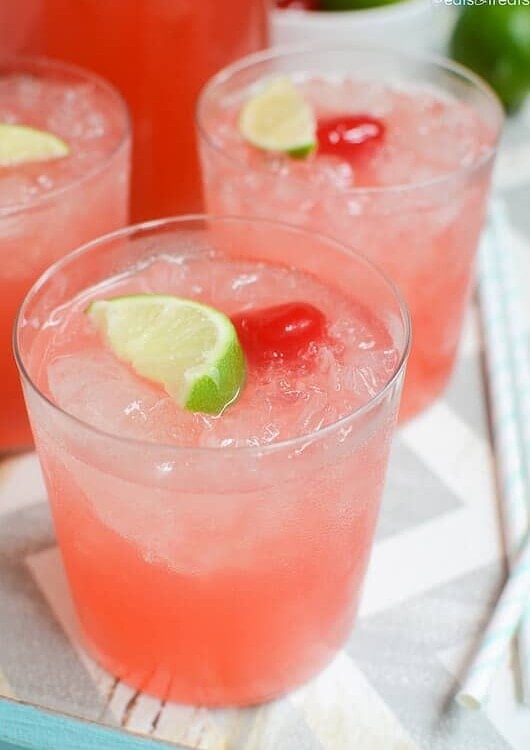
(48, 208)
(413, 199)
(215, 560)
(158, 53)
(18, 25)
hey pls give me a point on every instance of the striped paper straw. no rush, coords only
(508, 612)
(504, 408)
(517, 336)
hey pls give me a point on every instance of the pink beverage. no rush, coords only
(49, 207)
(402, 170)
(18, 25)
(159, 53)
(215, 560)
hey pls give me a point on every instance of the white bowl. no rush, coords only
(416, 25)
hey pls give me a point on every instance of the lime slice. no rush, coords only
(20, 144)
(279, 119)
(187, 347)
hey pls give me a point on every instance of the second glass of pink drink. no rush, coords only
(217, 559)
(50, 206)
(402, 169)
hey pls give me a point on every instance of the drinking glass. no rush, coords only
(49, 208)
(217, 575)
(422, 230)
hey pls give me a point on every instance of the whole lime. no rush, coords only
(494, 41)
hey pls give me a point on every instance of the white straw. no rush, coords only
(508, 443)
(504, 404)
(502, 626)
(517, 336)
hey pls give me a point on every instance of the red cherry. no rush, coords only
(348, 136)
(297, 4)
(282, 331)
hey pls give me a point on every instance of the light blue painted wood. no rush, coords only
(25, 727)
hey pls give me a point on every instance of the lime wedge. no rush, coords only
(192, 350)
(20, 144)
(279, 119)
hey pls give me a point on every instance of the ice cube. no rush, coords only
(16, 189)
(102, 391)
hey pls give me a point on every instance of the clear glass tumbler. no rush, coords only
(415, 217)
(214, 575)
(48, 208)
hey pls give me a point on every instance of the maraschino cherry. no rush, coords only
(279, 332)
(297, 4)
(349, 136)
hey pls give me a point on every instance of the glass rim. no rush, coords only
(176, 221)
(290, 50)
(43, 63)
